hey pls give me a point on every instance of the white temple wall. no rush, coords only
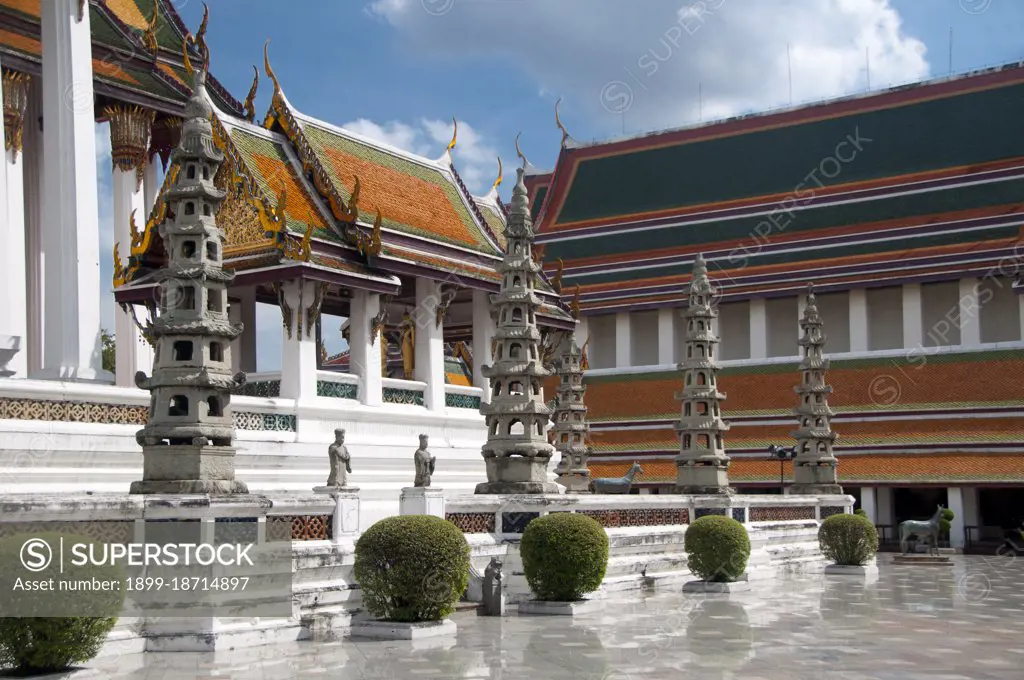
(885, 318)
(999, 311)
(644, 341)
(783, 315)
(835, 314)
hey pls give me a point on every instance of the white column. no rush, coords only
(623, 345)
(13, 302)
(955, 502)
(150, 186)
(758, 329)
(32, 155)
(858, 320)
(70, 220)
(132, 349)
(429, 343)
(972, 515)
(886, 507)
(868, 503)
(666, 336)
(364, 351)
(483, 333)
(298, 348)
(913, 319)
(970, 313)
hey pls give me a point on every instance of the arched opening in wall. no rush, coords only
(216, 351)
(494, 428)
(515, 388)
(701, 379)
(689, 352)
(818, 422)
(565, 438)
(702, 408)
(498, 350)
(206, 209)
(206, 172)
(516, 282)
(700, 350)
(191, 171)
(540, 429)
(806, 422)
(188, 249)
(516, 248)
(700, 325)
(703, 441)
(496, 390)
(686, 409)
(188, 298)
(214, 408)
(577, 416)
(564, 417)
(515, 351)
(536, 388)
(516, 428)
(213, 299)
(190, 208)
(517, 315)
(689, 378)
(211, 251)
(182, 350)
(821, 447)
(686, 441)
(718, 440)
(177, 405)
(533, 351)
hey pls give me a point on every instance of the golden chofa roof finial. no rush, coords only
(149, 35)
(501, 176)
(184, 55)
(250, 99)
(200, 39)
(455, 134)
(519, 152)
(270, 71)
(558, 122)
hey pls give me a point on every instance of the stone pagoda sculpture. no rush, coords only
(187, 441)
(814, 466)
(571, 428)
(517, 451)
(701, 466)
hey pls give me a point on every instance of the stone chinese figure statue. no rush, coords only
(424, 463)
(340, 465)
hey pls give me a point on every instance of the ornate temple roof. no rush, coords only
(135, 59)
(848, 191)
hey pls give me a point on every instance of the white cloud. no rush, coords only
(475, 159)
(650, 60)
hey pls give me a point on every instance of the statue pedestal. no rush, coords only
(421, 500)
(517, 475)
(346, 511)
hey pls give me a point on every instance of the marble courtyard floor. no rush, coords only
(936, 623)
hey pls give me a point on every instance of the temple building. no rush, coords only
(903, 206)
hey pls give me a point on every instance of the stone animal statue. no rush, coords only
(929, 529)
(616, 484)
(493, 587)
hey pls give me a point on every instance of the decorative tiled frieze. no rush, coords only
(72, 411)
(273, 422)
(397, 395)
(260, 388)
(472, 522)
(337, 390)
(635, 517)
(119, 532)
(829, 510)
(704, 512)
(452, 400)
(780, 513)
(299, 528)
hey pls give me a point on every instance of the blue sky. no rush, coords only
(400, 69)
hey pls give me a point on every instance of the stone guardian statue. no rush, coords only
(424, 463)
(340, 461)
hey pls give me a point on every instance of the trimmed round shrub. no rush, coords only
(848, 539)
(565, 556)
(861, 512)
(412, 568)
(33, 639)
(717, 548)
(946, 523)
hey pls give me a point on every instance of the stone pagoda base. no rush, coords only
(702, 479)
(189, 470)
(575, 482)
(517, 475)
(815, 477)
(811, 489)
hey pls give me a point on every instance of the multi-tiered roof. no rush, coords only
(702, 463)
(571, 428)
(517, 450)
(187, 440)
(814, 468)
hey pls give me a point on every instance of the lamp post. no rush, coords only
(782, 454)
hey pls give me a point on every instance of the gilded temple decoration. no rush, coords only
(130, 131)
(381, 319)
(556, 281)
(119, 269)
(184, 56)
(149, 35)
(369, 245)
(501, 176)
(15, 86)
(448, 294)
(558, 122)
(250, 99)
(407, 333)
(455, 135)
(574, 306)
(312, 312)
(584, 361)
(286, 310)
(538, 253)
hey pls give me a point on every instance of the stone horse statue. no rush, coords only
(929, 529)
(616, 484)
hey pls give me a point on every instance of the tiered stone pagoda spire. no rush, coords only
(814, 467)
(187, 442)
(570, 416)
(701, 466)
(517, 451)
